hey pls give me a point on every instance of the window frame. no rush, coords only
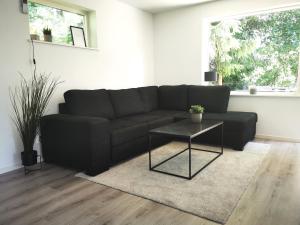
(71, 9)
(210, 20)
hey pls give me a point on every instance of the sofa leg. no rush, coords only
(95, 171)
(239, 148)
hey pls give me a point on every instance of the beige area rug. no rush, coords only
(212, 194)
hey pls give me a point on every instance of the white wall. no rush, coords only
(124, 59)
(180, 58)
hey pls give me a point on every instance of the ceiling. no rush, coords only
(155, 6)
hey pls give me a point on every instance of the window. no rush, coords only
(260, 50)
(58, 20)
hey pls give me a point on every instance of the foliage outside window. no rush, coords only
(261, 50)
(58, 20)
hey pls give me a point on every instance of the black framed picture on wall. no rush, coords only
(78, 37)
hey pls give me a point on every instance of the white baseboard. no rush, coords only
(277, 138)
(9, 168)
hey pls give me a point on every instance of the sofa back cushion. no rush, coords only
(89, 103)
(173, 97)
(126, 102)
(149, 96)
(213, 98)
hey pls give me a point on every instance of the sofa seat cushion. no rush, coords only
(149, 97)
(152, 120)
(126, 102)
(234, 121)
(123, 131)
(160, 122)
(142, 118)
(173, 97)
(89, 103)
(173, 113)
(214, 99)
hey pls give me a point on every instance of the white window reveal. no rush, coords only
(53, 22)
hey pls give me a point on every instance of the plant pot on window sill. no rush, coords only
(34, 37)
(29, 158)
(47, 38)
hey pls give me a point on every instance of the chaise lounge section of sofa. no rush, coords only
(99, 128)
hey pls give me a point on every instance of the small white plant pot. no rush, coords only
(196, 117)
(252, 90)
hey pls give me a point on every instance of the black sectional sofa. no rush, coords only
(98, 128)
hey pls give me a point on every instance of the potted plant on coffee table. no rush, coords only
(196, 112)
(29, 101)
(47, 34)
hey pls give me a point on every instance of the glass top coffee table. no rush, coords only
(186, 130)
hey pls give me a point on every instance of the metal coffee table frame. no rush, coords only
(189, 148)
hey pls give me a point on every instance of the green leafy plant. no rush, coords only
(47, 31)
(29, 101)
(196, 109)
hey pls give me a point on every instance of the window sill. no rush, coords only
(62, 45)
(266, 94)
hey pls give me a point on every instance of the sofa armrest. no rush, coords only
(79, 142)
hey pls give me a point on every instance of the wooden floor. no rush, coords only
(54, 196)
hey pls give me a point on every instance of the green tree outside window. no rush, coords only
(260, 50)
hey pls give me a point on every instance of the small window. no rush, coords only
(58, 19)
